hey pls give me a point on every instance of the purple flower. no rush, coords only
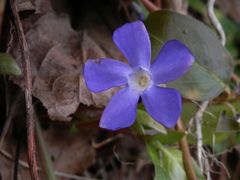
(139, 78)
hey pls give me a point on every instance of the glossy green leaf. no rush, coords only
(145, 123)
(8, 65)
(211, 71)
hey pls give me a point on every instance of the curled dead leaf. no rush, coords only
(57, 54)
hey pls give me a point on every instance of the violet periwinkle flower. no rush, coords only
(139, 78)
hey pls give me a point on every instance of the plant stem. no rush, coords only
(28, 92)
(187, 160)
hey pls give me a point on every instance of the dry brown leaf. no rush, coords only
(25, 5)
(57, 54)
(39, 6)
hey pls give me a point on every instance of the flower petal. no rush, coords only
(133, 40)
(121, 110)
(102, 74)
(173, 60)
(163, 104)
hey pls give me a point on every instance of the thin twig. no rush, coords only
(2, 10)
(212, 157)
(187, 158)
(215, 22)
(221, 164)
(28, 92)
(57, 173)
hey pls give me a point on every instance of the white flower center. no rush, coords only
(139, 80)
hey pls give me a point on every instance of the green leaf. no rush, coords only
(8, 65)
(197, 170)
(213, 128)
(228, 124)
(211, 71)
(170, 138)
(160, 173)
(173, 163)
(145, 122)
(168, 163)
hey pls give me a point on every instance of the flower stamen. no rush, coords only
(143, 80)
(139, 80)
